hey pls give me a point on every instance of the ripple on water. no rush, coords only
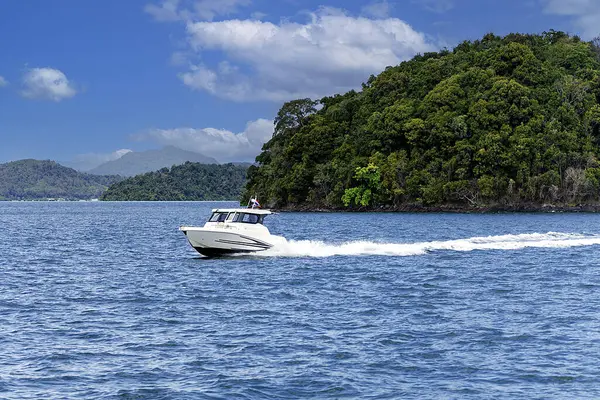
(424, 306)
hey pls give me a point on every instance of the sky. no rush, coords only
(88, 81)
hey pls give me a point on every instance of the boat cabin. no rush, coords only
(243, 215)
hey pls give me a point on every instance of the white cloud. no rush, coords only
(3, 82)
(377, 10)
(86, 162)
(48, 84)
(585, 14)
(224, 145)
(333, 52)
(175, 10)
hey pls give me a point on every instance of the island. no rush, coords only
(46, 180)
(498, 123)
(187, 182)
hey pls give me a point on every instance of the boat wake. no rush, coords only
(309, 248)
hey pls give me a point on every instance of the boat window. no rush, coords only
(250, 218)
(218, 217)
(230, 217)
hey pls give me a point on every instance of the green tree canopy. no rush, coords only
(501, 120)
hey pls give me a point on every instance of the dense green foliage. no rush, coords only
(36, 180)
(502, 120)
(187, 182)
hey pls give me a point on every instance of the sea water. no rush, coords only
(108, 300)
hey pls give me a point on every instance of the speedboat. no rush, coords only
(231, 230)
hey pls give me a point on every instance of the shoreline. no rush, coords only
(456, 209)
(405, 208)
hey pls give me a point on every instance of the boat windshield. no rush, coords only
(218, 217)
(245, 218)
(248, 218)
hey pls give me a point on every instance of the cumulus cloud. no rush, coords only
(332, 52)
(3, 82)
(88, 161)
(585, 14)
(252, 59)
(47, 84)
(224, 145)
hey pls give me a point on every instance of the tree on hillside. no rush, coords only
(293, 115)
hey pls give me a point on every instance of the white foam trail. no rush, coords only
(310, 248)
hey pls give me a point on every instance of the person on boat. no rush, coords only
(254, 203)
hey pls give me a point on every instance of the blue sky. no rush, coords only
(87, 80)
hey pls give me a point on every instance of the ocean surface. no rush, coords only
(109, 301)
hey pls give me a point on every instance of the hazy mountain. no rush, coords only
(89, 161)
(35, 179)
(135, 163)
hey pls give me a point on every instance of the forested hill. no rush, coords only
(498, 121)
(190, 181)
(36, 180)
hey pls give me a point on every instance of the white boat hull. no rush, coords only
(213, 242)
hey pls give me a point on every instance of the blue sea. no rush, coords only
(109, 301)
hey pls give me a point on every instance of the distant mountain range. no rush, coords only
(135, 163)
(37, 180)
